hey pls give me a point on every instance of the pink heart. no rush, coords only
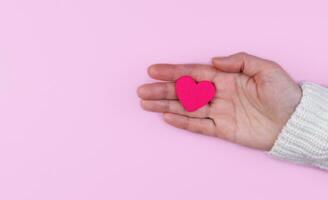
(194, 95)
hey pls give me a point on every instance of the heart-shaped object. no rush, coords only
(194, 95)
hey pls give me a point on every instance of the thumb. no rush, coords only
(242, 63)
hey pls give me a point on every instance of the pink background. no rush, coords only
(70, 122)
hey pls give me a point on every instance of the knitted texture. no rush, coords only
(304, 139)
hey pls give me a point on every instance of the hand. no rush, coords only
(254, 99)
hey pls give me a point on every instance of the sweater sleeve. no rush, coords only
(304, 139)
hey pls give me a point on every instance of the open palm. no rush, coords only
(254, 99)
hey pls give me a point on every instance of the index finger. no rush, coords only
(171, 72)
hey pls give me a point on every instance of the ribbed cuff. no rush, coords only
(304, 139)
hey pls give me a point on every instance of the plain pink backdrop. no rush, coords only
(70, 122)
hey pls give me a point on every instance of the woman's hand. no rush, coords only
(254, 99)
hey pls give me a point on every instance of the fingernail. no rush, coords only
(141, 91)
(146, 105)
(152, 70)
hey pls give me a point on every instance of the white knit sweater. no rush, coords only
(304, 139)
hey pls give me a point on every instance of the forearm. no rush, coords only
(304, 139)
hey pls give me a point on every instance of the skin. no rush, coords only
(254, 99)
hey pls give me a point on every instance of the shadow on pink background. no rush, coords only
(70, 122)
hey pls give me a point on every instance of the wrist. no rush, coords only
(304, 139)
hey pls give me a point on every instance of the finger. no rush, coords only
(243, 63)
(172, 106)
(197, 125)
(157, 91)
(170, 72)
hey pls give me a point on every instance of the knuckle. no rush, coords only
(200, 131)
(242, 54)
(186, 124)
(166, 90)
(275, 64)
(167, 106)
